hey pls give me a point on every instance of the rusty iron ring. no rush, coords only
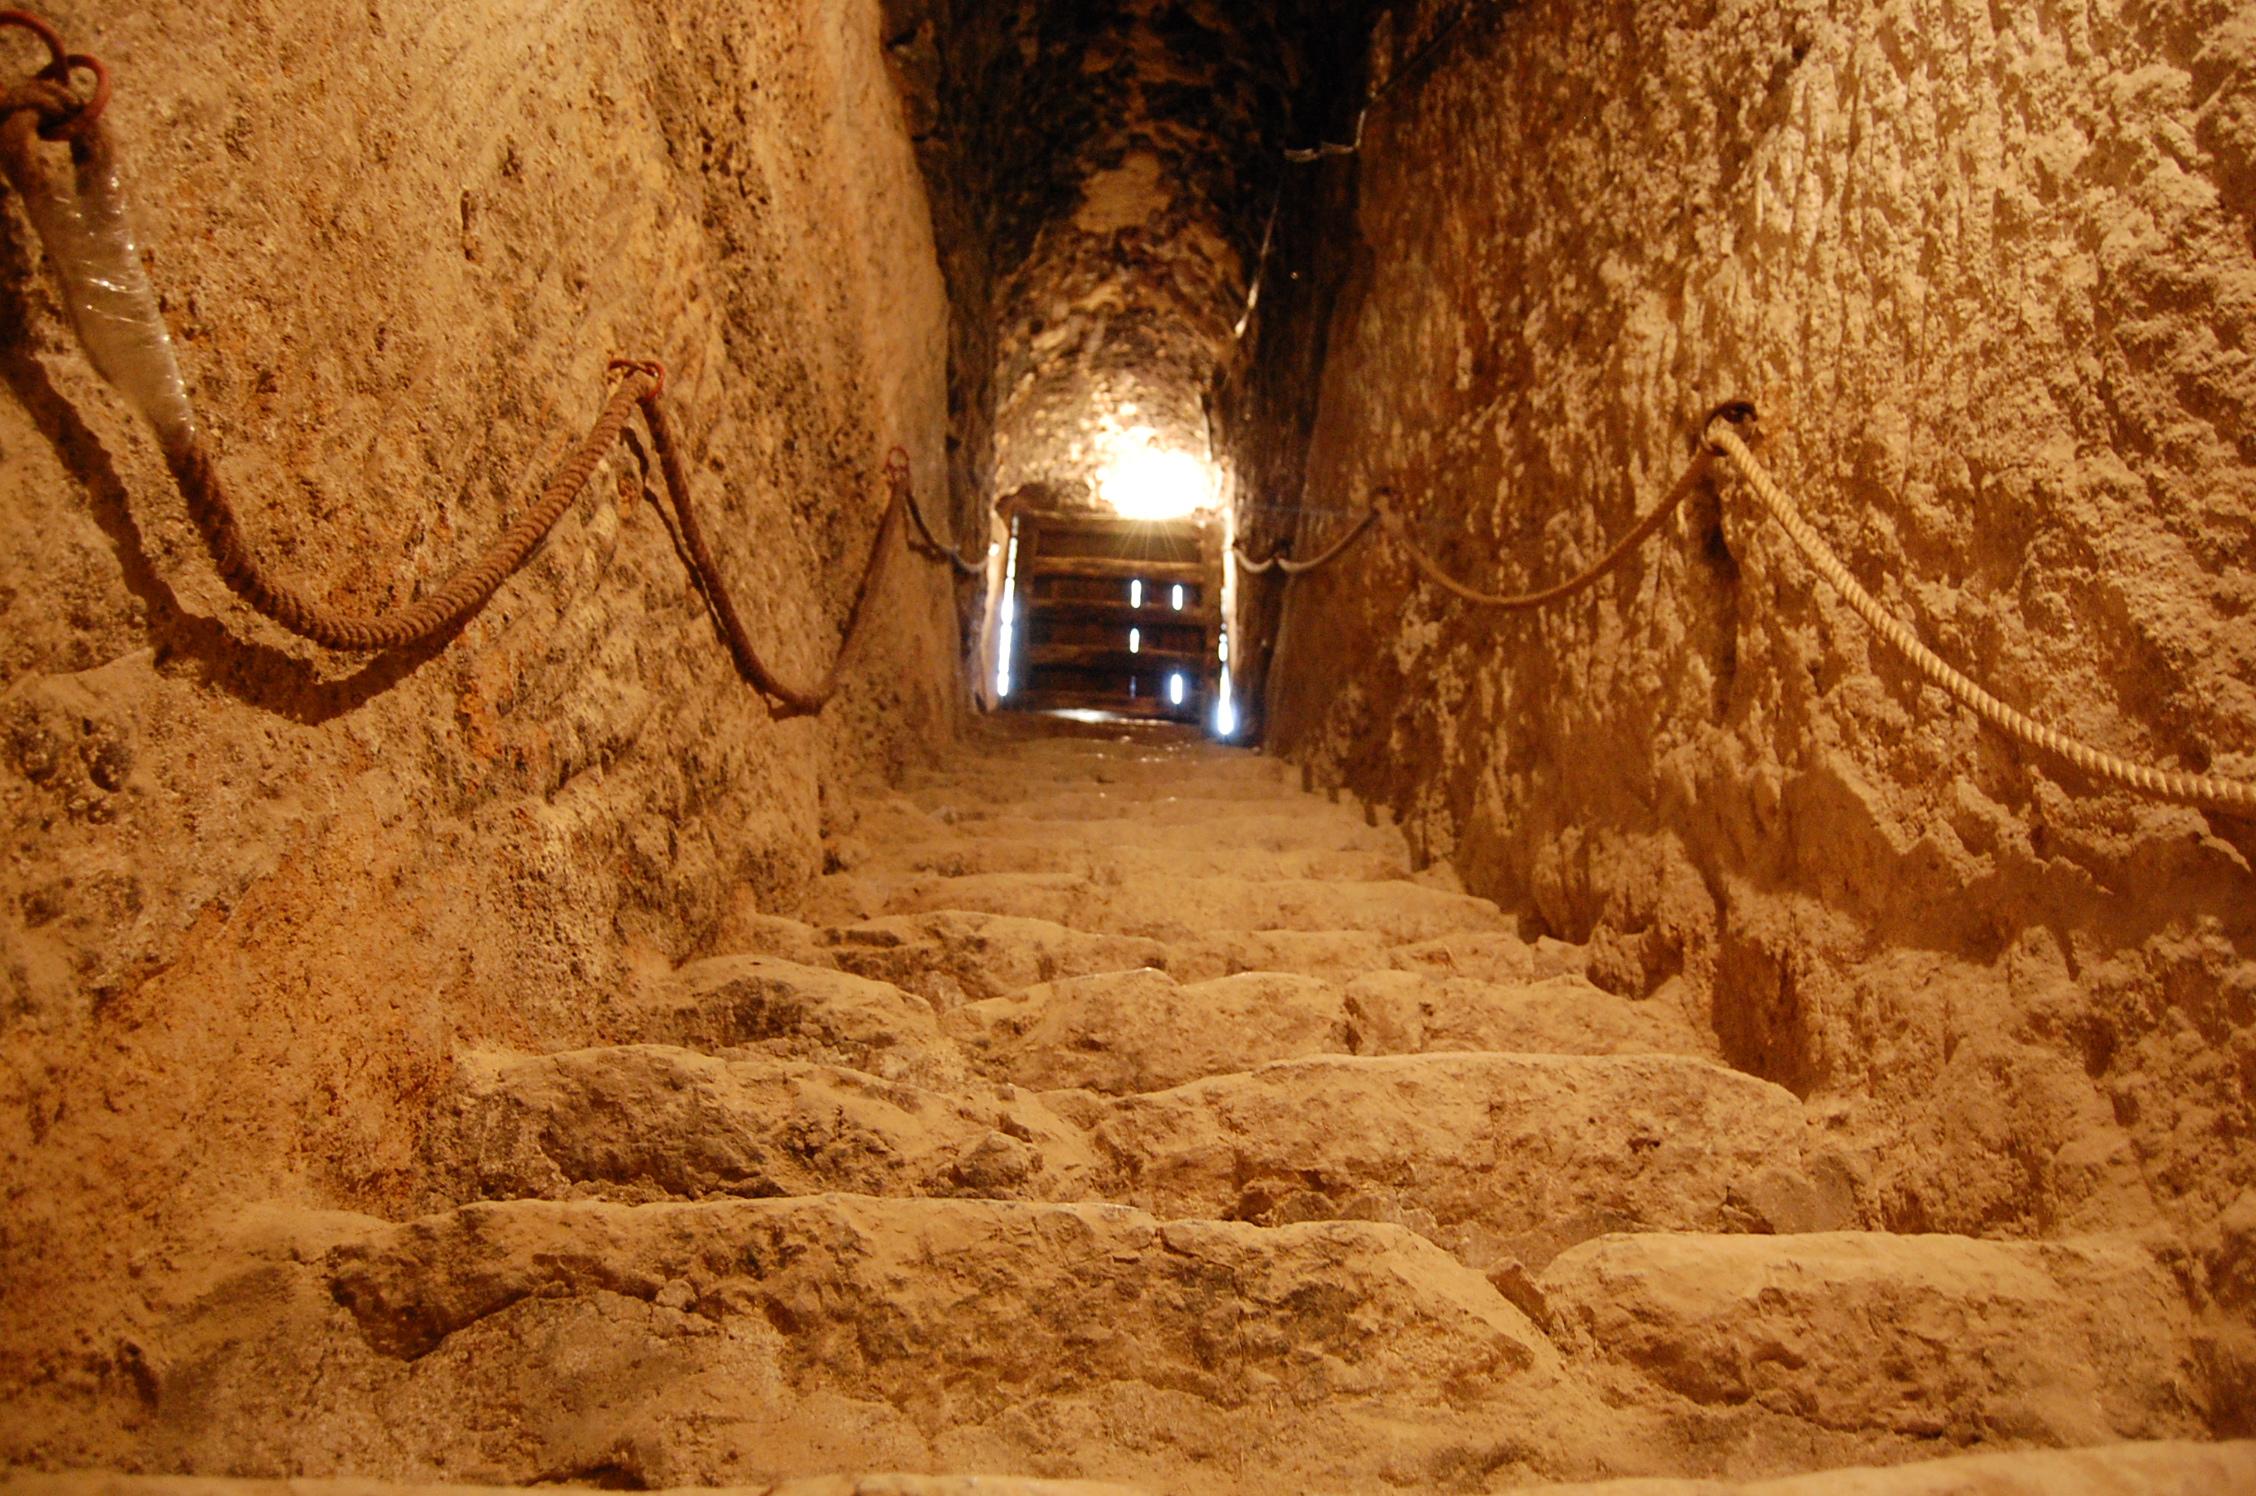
(24, 20)
(80, 120)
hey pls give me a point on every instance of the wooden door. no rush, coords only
(1117, 615)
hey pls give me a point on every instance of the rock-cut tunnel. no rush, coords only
(1150, 745)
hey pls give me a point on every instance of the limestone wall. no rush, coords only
(1988, 270)
(257, 892)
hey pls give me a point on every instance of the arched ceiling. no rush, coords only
(1123, 156)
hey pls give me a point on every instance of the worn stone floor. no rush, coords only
(1117, 1111)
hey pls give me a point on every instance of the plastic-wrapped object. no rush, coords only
(86, 230)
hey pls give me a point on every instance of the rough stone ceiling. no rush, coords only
(1135, 147)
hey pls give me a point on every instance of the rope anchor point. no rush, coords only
(71, 121)
(649, 366)
(1741, 413)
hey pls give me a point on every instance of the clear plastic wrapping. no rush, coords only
(88, 237)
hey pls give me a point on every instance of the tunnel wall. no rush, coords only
(1987, 270)
(257, 893)
(940, 52)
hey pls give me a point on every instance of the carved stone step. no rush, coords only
(1502, 1158)
(1933, 1341)
(1187, 807)
(647, 1122)
(1001, 777)
(1169, 908)
(789, 1010)
(1293, 829)
(1121, 1032)
(757, 1340)
(2176, 1467)
(953, 854)
(950, 957)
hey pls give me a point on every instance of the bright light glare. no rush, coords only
(1136, 593)
(1143, 482)
(1226, 711)
(1135, 641)
(1175, 690)
(1178, 604)
(1005, 624)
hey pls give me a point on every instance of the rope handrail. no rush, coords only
(797, 700)
(196, 472)
(1723, 442)
(1398, 529)
(130, 345)
(1281, 559)
(2147, 779)
(970, 563)
(114, 309)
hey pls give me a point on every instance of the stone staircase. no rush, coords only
(1120, 1112)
